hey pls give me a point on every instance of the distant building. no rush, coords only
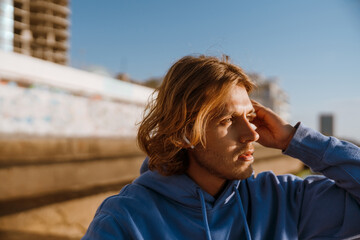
(327, 124)
(39, 28)
(6, 25)
(269, 93)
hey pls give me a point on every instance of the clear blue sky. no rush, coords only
(312, 47)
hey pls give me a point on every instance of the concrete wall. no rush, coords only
(51, 112)
(41, 166)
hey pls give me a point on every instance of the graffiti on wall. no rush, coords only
(39, 110)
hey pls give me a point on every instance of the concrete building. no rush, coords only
(327, 124)
(269, 93)
(38, 28)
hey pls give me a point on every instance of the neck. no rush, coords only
(206, 180)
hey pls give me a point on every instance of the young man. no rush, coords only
(198, 183)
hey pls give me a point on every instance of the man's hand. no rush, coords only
(274, 132)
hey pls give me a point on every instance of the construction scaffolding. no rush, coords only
(41, 29)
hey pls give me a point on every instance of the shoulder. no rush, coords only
(268, 177)
(288, 190)
(117, 212)
(113, 217)
(129, 198)
(266, 181)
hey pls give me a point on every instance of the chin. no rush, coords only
(244, 174)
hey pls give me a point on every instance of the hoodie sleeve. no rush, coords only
(330, 205)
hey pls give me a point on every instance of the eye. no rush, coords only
(251, 116)
(226, 121)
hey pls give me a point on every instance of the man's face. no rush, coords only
(229, 137)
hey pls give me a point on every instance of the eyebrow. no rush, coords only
(232, 113)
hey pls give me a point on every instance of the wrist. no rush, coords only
(291, 133)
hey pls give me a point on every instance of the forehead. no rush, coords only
(236, 101)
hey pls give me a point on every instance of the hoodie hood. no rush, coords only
(182, 189)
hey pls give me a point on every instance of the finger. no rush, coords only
(260, 110)
(258, 123)
(258, 106)
(254, 102)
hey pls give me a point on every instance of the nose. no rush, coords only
(247, 132)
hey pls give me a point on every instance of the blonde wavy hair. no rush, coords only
(190, 95)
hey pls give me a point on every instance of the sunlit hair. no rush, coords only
(190, 95)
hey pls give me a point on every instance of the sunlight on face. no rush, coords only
(228, 151)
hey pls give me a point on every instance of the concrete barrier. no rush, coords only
(15, 151)
(36, 167)
(35, 180)
(268, 159)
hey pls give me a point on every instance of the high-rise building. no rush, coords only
(39, 28)
(327, 124)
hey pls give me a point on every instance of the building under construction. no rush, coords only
(39, 28)
(269, 93)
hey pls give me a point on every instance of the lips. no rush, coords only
(247, 156)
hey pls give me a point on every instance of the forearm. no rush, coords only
(337, 160)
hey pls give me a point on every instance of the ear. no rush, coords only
(188, 142)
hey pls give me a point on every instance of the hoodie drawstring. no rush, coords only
(204, 214)
(246, 226)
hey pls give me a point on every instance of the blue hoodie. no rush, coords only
(262, 207)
